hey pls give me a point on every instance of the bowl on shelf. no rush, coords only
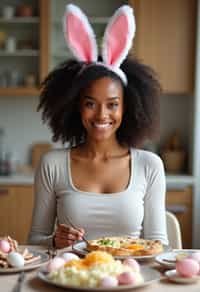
(174, 160)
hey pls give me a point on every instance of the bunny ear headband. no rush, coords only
(117, 39)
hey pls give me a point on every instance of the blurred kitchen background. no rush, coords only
(32, 43)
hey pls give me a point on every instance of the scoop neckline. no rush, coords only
(77, 191)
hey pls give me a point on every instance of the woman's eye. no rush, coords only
(90, 104)
(113, 105)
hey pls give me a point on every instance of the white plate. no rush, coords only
(149, 275)
(43, 259)
(175, 277)
(171, 256)
(80, 249)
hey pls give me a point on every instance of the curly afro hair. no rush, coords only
(60, 96)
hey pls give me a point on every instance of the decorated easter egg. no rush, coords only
(109, 281)
(126, 278)
(68, 256)
(133, 264)
(187, 267)
(4, 246)
(15, 259)
(55, 264)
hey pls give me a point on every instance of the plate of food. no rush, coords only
(169, 259)
(97, 271)
(174, 276)
(122, 247)
(15, 258)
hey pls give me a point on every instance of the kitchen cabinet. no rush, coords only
(16, 204)
(23, 48)
(165, 40)
(179, 202)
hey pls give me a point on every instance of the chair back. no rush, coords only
(173, 231)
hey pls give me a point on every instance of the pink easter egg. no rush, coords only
(187, 267)
(195, 256)
(127, 278)
(4, 246)
(133, 264)
(55, 264)
(109, 281)
(68, 256)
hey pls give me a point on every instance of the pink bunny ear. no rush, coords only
(79, 34)
(118, 36)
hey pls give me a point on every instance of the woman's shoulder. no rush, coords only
(54, 156)
(148, 158)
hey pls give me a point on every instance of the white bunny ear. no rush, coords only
(118, 36)
(79, 34)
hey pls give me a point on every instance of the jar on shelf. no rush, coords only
(30, 80)
(14, 78)
(8, 12)
(10, 44)
(3, 79)
(25, 10)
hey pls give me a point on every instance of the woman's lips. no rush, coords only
(102, 125)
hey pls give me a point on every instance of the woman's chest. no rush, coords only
(121, 212)
(105, 177)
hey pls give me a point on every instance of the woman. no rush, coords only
(102, 182)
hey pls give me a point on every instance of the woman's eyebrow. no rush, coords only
(88, 97)
(109, 98)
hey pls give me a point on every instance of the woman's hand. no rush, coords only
(66, 235)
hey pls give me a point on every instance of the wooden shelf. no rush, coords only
(15, 20)
(19, 91)
(20, 53)
(180, 179)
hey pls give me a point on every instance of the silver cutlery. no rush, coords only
(169, 261)
(52, 252)
(20, 281)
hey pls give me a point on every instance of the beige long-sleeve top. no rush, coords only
(139, 210)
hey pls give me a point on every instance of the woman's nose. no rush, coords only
(102, 112)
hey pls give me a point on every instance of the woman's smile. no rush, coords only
(101, 125)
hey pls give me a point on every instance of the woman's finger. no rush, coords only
(65, 236)
(69, 229)
(63, 243)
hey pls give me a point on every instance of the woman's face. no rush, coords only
(101, 108)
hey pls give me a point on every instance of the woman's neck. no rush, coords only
(102, 150)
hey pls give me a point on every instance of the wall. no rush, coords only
(23, 124)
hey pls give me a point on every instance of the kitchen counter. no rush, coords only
(17, 179)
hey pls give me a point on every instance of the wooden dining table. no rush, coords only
(32, 283)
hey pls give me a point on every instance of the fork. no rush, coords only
(72, 225)
(20, 280)
(52, 252)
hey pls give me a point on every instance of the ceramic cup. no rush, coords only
(8, 12)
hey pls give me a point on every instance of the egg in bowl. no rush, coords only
(97, 269)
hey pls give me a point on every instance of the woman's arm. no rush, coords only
(44, 212)
(154, 201)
